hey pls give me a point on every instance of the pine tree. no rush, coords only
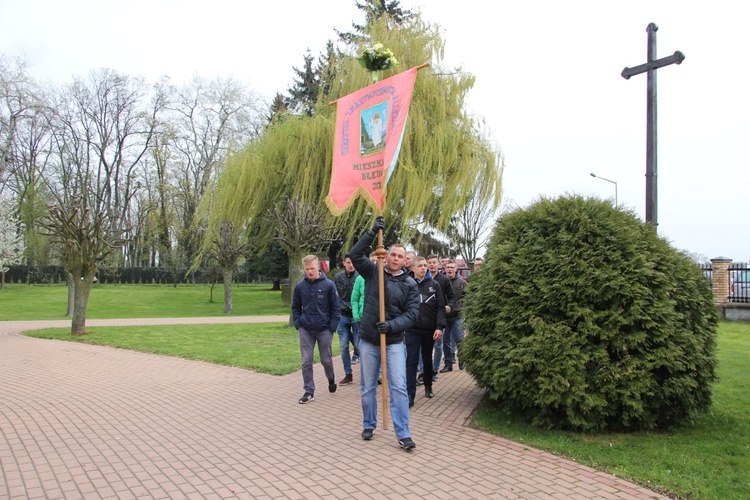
(304, 91)
(326, 69)
(374, 11)
(279, 107)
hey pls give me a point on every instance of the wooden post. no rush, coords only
(380, 252)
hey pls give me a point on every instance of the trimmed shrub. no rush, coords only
(46, 275)
(584, 318)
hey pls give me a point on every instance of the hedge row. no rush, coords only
(36, 275)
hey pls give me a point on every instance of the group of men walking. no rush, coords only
(422, 314)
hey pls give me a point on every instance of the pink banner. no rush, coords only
(369, 130)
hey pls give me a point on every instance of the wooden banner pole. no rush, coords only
(380, 252)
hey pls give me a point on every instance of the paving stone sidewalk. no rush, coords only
(81, 421)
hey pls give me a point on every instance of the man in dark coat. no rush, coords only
(348, 328)
(433, 264)
(316, 312)
(427, 330)
(401, 310)
(453, 334)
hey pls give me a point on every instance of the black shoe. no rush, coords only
(420, 379)
(461, 365)
(407, 444)
(306, 398)
(332, 386)
(428, 392)
(447, 368)
(367, 434)
(411, 402)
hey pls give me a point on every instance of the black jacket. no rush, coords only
(448, 293)
(459, 288)
(431, 308)
(315, 305)
(401, 296)
(345, 284)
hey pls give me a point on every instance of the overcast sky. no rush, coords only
(548, 84)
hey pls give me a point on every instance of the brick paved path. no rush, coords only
(80, 421)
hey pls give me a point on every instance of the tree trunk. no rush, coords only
(227, 274)
(296, 271)
(82, 291)
(276, 285)
(2, 279)
(71, 293)
(296, 274)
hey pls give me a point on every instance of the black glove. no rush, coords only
(378, 224)
(383, 327)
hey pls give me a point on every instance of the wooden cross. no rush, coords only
(650, 68)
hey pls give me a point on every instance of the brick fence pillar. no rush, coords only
(720, 279)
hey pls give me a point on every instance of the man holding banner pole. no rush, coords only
(391, 306)
(364, 159)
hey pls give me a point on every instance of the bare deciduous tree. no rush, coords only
(102, 130)
(87, 237)
(18, 101)
(27, 157)
(300, 229)
(209, 118)
(472, 227)
(226, 249)
(142, 155)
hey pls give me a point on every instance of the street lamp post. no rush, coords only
(613, 182)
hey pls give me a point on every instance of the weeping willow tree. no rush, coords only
(444, 155)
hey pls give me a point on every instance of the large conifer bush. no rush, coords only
(584, 318)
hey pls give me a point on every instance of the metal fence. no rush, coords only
(739, 283)
(707, 270)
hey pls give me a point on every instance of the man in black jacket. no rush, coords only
(433, 264)
(348, 329)
(453, 334)
(427, 330)
(316, 312)
(401, 310)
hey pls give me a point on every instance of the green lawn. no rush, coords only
(263, 347)
(23, 302)
(709, 459)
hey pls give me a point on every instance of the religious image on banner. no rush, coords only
(370, 126)
(373, 129)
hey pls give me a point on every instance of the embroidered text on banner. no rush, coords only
(369, 129)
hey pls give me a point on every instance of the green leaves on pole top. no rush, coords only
(377, 58)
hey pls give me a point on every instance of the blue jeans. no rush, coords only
(369, 360)
(453, 335)
(348, 332)
(307, 341)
